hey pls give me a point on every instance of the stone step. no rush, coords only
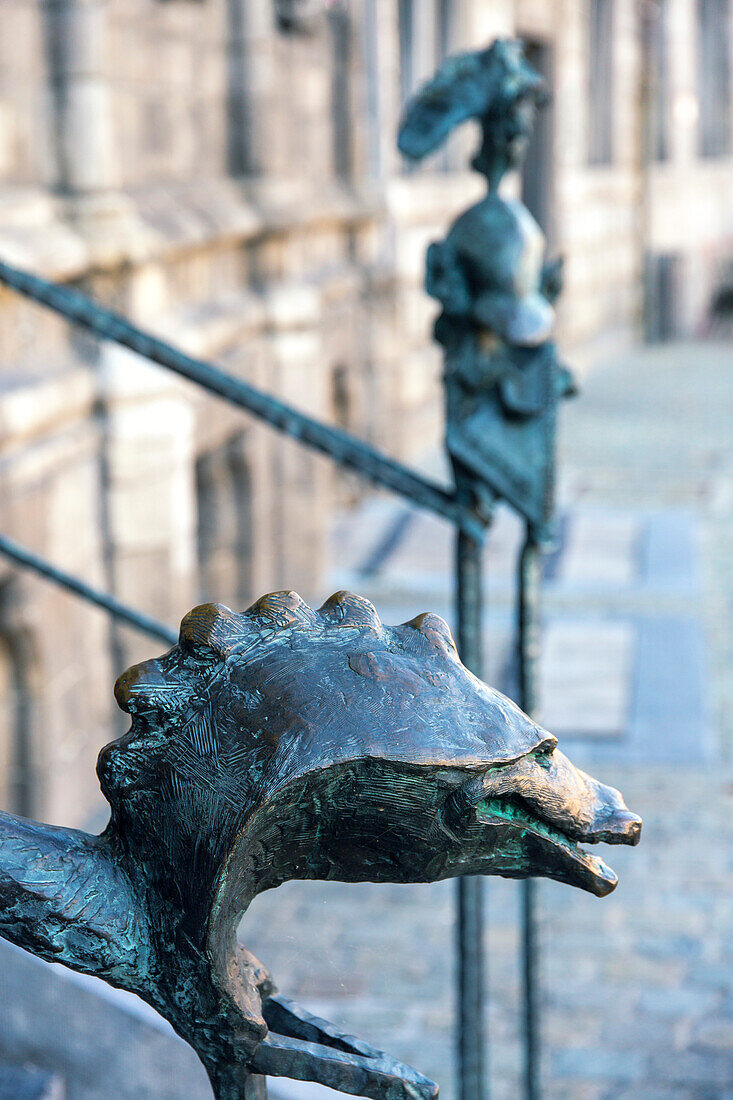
(29, 1083)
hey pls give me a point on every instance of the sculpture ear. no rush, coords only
(64, 899)
(445, 278)
(458, 91)
(552, 279)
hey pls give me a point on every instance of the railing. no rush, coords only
(25, 558)
(529, 386)
(345, 450)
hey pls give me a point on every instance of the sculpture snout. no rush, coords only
(556, 792)
(614, 824)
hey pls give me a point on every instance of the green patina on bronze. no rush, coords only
(286, 743)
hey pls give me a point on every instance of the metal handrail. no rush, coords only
(343, 448)
(349, 451)
(27, 559)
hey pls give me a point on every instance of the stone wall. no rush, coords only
(224, 173)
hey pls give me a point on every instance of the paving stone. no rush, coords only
(637, 989)
(29, 1083)
(595, 1063)
(651, 1092)
(670, 551)
(706, 1071)
(714, 1034)
(585, 677)
(601, 548)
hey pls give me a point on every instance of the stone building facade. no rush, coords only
(224, 173)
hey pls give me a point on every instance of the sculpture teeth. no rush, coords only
(490, 809)
(507, 811)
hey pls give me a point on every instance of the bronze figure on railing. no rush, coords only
(287, 743)
(496, 289)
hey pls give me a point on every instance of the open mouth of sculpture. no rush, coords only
(544, 808)
(577, 865)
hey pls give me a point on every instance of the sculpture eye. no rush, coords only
(545, 749)
(446, 279)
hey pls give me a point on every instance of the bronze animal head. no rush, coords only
(286, 743)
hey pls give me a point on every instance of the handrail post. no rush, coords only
(502, 381)
(472, 1052)
(528, 650)
(501, 376)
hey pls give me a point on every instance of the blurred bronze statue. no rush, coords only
(287, 743)
(502, 373)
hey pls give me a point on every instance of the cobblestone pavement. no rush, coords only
(637, 988)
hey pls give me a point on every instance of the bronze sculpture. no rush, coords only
(286, 743)
(503, 377)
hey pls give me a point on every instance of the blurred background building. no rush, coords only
(224, 173)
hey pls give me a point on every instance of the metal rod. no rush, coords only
(530, 989)
(28, 560)
(528, 624)
(472, 1046)
(342, 447)
(528, 650)
(233, 1081)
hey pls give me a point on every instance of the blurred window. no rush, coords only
(656, 27)
(446, 16)
(295, 16)
(406, 31)
(340, 396)
(371, 62)
(446, 41)
(224, 534)
(601, 88)
(538, 172)
(339, 19)
(16, 772)
(713, 77)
